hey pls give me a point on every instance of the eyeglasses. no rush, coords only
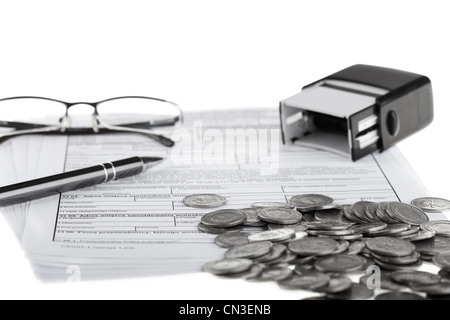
(132, 114)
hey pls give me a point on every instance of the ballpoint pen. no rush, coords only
(73, 180)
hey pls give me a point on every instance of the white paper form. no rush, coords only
(142, 219)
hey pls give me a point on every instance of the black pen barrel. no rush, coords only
(69, 181)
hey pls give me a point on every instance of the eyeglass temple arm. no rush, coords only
(151, 124)
(25, 129)
(158, 137)
(139, 125)
(83, 131)
(38, 130)
(150, 133)
(21, 125)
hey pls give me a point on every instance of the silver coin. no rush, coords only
(426, 257)
(311, 202)
(398, 267)
(370, 263)
(249, 251)
(288, 258)
(391, 229)
(382, 214)
(230, 240)
(298, 236)
(252, 218)
(347, 211)
(228, 266)
(371, 212)
(386, 282)
(254, 272)
(331, 215)
(438, 298)
(441, 227)
(398, 296)
(279, 262)
(369, 227)
(313, 246)
(274, 274)
(442, 261)
(205, 201)
(330, 226)
(430, 204)
(282, 261)
(391, 247)
(336, 285)
(224, 218)
(407, 213)
(309, 217)
(340, 263)
(356, 247)
(272, 235)
(278, 250)
(307, 281)
(352, 237)
(421, 235)
(298, 227)
(212, 230)
(433, 246)
(300, 261)
(390, 214)
(440, 289)
(330, 232)
(445, 275)
(359, 209)
(301, 269)
(398, 260)
(307, 268)
(411, 232)
(279, 215)
(343, 247)
(415, 278)
(356, 292)
(270, 205)
(349, 214)
(366, 253)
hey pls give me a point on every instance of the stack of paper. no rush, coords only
(20, 161)
(139, 226)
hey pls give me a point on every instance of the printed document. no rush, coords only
(139, 226)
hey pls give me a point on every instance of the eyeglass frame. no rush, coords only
(64, 129)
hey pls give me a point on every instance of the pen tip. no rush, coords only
(151, 159)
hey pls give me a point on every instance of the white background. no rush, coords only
(212, 54)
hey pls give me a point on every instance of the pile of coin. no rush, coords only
(223, 221)
(394, 254)
(313, 244)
